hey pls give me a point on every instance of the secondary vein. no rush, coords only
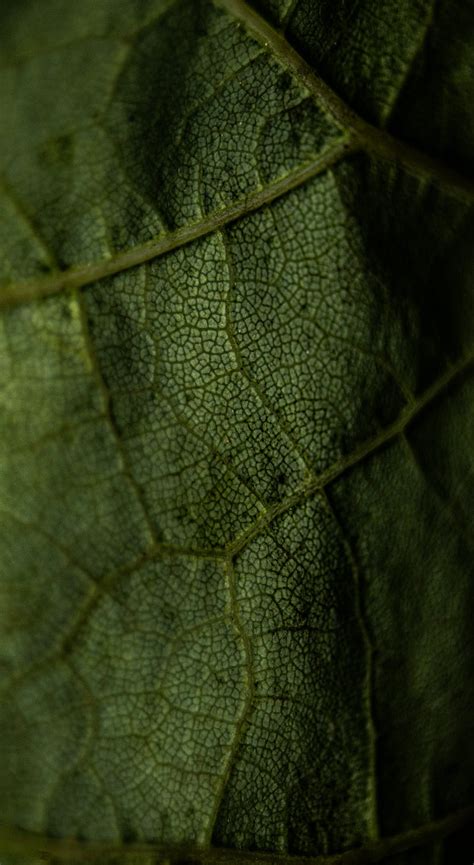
(77, 277)
(318, 483)
(367, 136)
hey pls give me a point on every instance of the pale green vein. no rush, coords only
(77, 277)
(100, 588)
(108, 409)
(417, 52)
(253, 384)
(31, 526)
(368, 137)
(366, 449)
(372, 800)
(28, 223)
(213, 451)
(247, 704)
(91, 726)
(288, 13)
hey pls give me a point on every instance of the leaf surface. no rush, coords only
(236, 469)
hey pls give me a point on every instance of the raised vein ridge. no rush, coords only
(77, 277)
(318, 483)
(362, 133)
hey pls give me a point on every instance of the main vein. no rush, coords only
(362, 133)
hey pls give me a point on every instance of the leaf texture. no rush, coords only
(236, 414)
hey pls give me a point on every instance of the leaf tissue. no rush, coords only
(236, 431)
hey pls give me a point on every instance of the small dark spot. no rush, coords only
(207, 200)
(43, 267)
(305, 611)
(303, 783)
(66, 313)
(129, 836)
(116, 237)
(284, 82)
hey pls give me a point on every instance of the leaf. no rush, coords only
(236, 470)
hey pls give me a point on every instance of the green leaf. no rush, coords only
(236, 473)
